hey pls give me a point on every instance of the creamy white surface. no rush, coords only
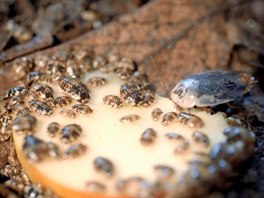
(106, 136)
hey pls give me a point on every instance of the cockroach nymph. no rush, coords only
(40, 107)
(104, 165)
(113, 101)
(130, 118)
(43, 91)
(75, 150)
(82, 109)
(70, 133)
(96, 81)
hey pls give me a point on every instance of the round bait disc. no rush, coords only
(130, 151)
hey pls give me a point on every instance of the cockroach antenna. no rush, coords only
(164, 84)
(162, 81)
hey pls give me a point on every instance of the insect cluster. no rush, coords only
(56, 88)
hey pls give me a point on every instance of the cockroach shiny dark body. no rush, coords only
(95, 186)
(15, 91)
(113, 101)
(70, 133)
(76, 150)
(211, 88)
(104, 165)
(82, 109)
(156, 114)
(40, 107)
(201, 138)
(96, 81)
(43, 91)
(148, 136)
(190, 120)
(53, 129)
(130, 118)
(67, 113)
(61, 101)
(164, 172)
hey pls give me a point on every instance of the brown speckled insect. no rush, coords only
(53, 150)
(5, 133)
(15, 91)
(131, 93)
(148, 136)
(181, 148)
(33, 77)
(148, 98)
(70, 133)
(24, 122)
(130, 118)
(5, 120)
(43, 91)
(73, 69)
(190, 120)
(113, 101)
(74, 89)
(164, 172)
(134, 187)
(201, 138)
(95, 186)
(61, 101)
(156, 114)
(40, 107)
(82, 109)
(104, 166)
(169, 117)
(53, 129)
(175, 137)
(99, 62)
(126, 64)
(181, 143)
(17, 100)
(96, 81)
(56, 69)
(34, 148)
(211, 88)
(67, 113)
(75, 150)
(233, 134)
(233, 121)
